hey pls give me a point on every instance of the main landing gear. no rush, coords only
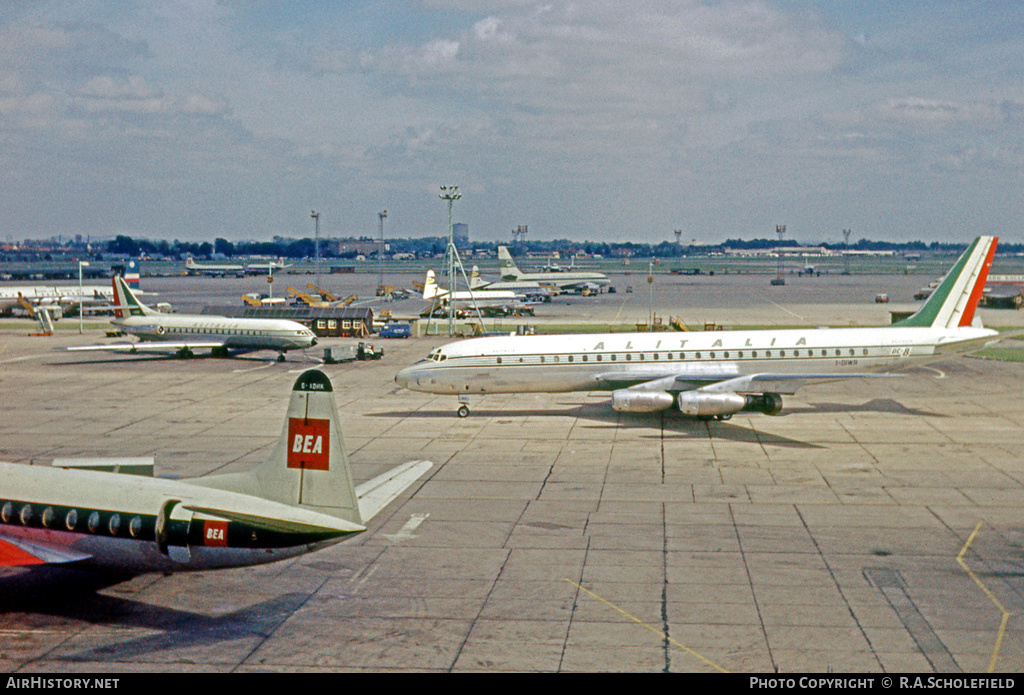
(463, 410)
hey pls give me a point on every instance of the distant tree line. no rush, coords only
(435, 246)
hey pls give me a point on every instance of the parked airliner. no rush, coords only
(561, 279)
(214, 269)
(714, 373)
(183, 333)
(302, 499)
(65, 296)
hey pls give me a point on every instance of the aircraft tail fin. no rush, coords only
(474, 279)
(430, 288)
(308, 466)
(132, 273)
(125, 301)
(954, 301)
(508, 267)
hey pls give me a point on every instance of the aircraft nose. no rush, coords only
(403, 378)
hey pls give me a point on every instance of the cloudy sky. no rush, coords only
(589, 120)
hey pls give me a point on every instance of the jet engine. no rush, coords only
(696, 403)
(708, 404)
(704, 404)
(767, 403)
(632, 401)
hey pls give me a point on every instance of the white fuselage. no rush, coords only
(560, 280)
(65, 295)
(234, 333)
(139, 524)
(604, 362)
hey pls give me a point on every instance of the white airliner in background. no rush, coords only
(223, 269)
(183, 333)
(481, 298)
(714, 373)
(214, 269)
(561, 279)
(528, 289)
(302, 499)
(65, 296)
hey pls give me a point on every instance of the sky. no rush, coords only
(595, 120)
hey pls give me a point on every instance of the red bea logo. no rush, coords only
(309, 444)
(215, 533)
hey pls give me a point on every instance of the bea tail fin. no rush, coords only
(954, 301)
(308, 466)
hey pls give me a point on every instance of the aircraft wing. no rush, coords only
(16, 552)
(779, 383)
(149, 346)
(377, 493)
(727, 381)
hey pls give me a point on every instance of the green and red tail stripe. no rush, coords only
(954, 301)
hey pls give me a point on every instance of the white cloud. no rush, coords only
(581, 118)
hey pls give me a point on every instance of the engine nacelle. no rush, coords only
(702, 403)
(705, 404)
(630, 401)
(767, 403)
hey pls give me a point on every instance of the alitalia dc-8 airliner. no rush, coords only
(713, 374)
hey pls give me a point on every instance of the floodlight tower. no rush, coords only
(846, 251)
(780, 229)
(450, 194)
(380, 254)
(519, 238)
(316, 217)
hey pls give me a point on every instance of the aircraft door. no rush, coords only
(172, 529)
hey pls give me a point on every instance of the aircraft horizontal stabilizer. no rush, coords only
(278, 525)
(162, 346)
(958, 346)
(125, 465)
(377, 493)
(16, 552)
